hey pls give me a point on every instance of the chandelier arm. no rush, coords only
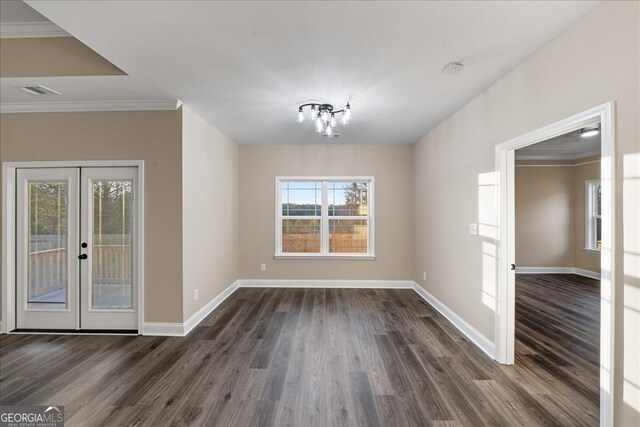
(321, 107)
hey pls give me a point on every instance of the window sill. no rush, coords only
(593, 251)
(363, 257)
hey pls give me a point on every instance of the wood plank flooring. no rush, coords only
(323, 357)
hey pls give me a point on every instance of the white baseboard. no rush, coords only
(558, 270)
(182, 329)
(469, 331)
(587, 273)
(198, 316)
(351, 284)
(163, 329)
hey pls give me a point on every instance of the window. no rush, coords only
(324, 217)
(593, 219)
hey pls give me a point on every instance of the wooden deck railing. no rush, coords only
(48, 269)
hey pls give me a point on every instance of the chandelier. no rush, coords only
(323, 117)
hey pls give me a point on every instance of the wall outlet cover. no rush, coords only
(473, 229)
(263, 267)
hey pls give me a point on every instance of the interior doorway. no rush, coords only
(505, 313)
(77, 235)
(557, 256)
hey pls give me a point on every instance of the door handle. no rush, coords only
(513, 266)
(83, 256)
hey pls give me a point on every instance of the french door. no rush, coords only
(75, 248)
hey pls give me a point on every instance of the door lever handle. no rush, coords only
(83, 256)
(513, 266)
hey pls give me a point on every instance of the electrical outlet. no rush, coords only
(195, 295)
(424, 275)
(473, 229)
(263, 267)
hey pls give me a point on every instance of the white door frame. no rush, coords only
(9, 231)
(505, 192)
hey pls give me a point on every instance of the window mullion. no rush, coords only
(324, 226)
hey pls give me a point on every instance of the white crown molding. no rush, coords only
(558, 165)
(482, 342)
(66, 107)
(571, 156)
(14, 30)
(558, 270)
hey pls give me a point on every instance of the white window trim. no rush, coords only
(589, 214)
(324, 218)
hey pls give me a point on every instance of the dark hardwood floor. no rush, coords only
(322, 357)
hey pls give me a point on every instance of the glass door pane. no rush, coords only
(47, 244)
(112, 250)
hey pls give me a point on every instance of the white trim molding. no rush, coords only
(162, 329)
(324, 218)
(505, 233)
(559, 270)
(8, 273)
(15, 30)
(80, 106)
(199, 315)
(482, 342)
(347, 284)
(182, 329)
(558, 156)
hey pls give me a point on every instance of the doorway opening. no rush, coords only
(600, 225)
(557, 256)
(73, 238)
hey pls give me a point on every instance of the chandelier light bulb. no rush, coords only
(319, 124)
(329, 131)
(325, 115)
(346, 116)
(332, 121)
(312, 113)
(300, 115)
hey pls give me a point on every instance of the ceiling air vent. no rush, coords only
(38, 90)
(333, 135)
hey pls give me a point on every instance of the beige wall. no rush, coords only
(454, 163)
(544, 216)
(583, 259)
(209, 211)
(51, 57)
(550, 214)
(152, 136)
(391, 166)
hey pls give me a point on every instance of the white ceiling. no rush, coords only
(570, 146)
(245, 66)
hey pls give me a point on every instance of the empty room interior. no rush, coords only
(306, 213)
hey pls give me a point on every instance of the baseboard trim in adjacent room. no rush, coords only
(347, 284)
(558, 270)
(469, 331)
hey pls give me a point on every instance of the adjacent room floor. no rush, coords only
(298, 357)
